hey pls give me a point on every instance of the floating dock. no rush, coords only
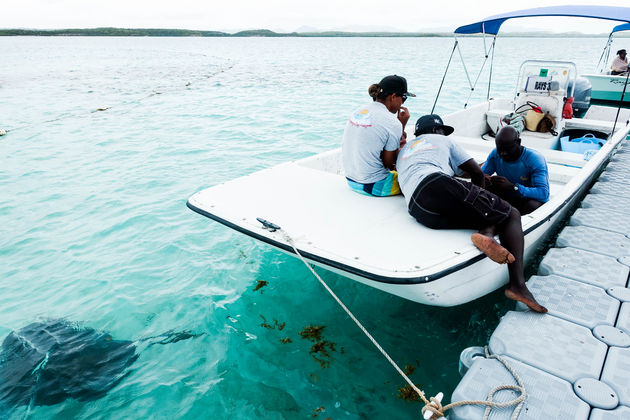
(574, 361)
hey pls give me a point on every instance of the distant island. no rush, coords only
(258, 33)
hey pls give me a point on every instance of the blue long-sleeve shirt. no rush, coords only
(529, 172)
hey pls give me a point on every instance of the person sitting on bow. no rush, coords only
(522, 177)
(374, 133)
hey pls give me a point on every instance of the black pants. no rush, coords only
(443, 202)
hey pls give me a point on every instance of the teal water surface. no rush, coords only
(108, 137)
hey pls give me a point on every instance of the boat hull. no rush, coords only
(608, 88)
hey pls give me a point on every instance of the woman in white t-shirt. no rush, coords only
(620, 63)
(373, 136)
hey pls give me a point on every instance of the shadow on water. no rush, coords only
(50, 361)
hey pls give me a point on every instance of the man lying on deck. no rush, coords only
(522, 176)
(426, 168)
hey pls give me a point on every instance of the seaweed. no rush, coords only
(318, 411)
(407, 393)
(260, 284)
(409, 369)
(313, 333)
(286, 340)
(266, 325)
(320, 351)
(276, 324)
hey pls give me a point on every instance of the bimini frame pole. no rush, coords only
(444, 77)
(483, 65)
(487, 52)
(494, 40)
(461, 57)
(625, 85)
(605, 54)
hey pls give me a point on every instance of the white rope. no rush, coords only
(519, 401)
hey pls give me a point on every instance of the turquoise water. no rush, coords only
(108, 137)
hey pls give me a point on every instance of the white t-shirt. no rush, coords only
(425, 155)
(370, 130)
(619, 65)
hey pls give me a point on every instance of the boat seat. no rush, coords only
(593, 124)
(540, 140)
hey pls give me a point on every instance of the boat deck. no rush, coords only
(575, 360)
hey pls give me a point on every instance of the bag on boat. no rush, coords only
(533, 115)
(515, 120)
(547, 124)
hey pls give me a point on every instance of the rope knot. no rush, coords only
(435, 406)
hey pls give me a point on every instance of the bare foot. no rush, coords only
(525, 296)
(492, 249)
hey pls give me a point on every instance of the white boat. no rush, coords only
(375, 241)
(607, 87)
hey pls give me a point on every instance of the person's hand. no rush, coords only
(403, 115)
(501, 183)
(488, 180)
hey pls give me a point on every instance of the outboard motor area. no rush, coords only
(581, 96)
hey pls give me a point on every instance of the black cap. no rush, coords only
(394, 84)
(621, 51)
(427, 122)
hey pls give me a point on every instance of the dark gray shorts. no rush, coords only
(444, 202)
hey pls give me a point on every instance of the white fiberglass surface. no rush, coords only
(325, 217)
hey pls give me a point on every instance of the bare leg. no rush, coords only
(529, 206)
(484, 240)
(511, 236)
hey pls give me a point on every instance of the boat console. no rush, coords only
(543, 84)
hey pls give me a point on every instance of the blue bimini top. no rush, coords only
(622, 27)
(491, 25)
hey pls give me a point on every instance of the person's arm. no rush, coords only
(539, 189)
(489, 166)
(539, 180)
(403, 117)
(472, 168)
(389, 158)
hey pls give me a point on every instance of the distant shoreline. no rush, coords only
(263, 33)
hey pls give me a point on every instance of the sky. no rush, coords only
(286, 15)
